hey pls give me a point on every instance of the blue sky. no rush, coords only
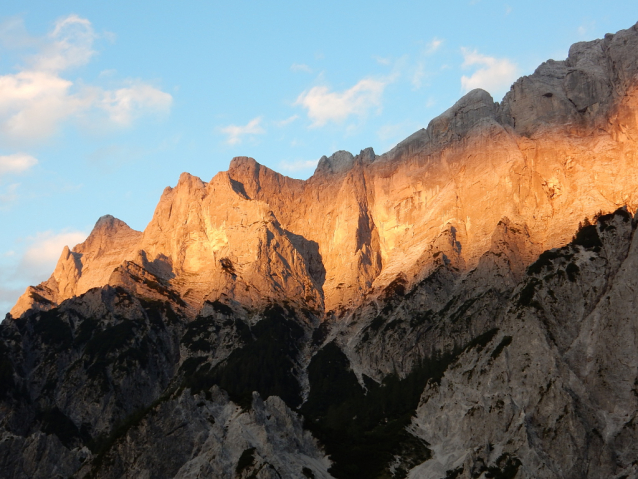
(103, 104)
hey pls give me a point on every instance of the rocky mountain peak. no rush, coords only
(244, 163)
(338, 162)
(107, 226)
(458, 120)
(359, 220)
(462, 306)
(343, 161)
(190, 182)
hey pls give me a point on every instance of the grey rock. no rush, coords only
(522, 365)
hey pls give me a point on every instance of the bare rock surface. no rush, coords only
(462, 306)
(559, 147)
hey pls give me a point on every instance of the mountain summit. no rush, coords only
(461, 306)
(558, 148)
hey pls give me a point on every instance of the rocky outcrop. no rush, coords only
(551, 395)
(88, 265)
(459, 307)
(559, 147)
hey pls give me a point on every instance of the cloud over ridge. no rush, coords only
(493, 74)
(236, 133)
(325, 106)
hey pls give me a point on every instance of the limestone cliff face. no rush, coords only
(560, 147)
(462, 306)
(88, 265)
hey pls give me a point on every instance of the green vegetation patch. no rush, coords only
(264, 364)
(587, 237)
(222, 308)
(604, 220)
(363, 430)
(395, 289)
(85, 330)
(159, 312)
(101, 445)
(53, 330)
(545, 260)
(526, 296)
(197, 332)
(106, 345)
(111, 340)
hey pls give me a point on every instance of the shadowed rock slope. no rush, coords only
(392, 316)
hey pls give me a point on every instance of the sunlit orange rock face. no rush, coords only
(560, 147)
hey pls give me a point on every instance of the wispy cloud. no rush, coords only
(382, 60)
(419, 72)
(11, 165)
(236, 133)
(418, 75)
(493, 74)
(70, 44)
(126, 104)
(36, 100)
(287, 121)
(433, 45)
(324, 105)
(298, 165)
(16, 163)
(34, 264)
(300, 67)
(44, 250)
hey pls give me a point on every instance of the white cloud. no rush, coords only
(324, 106)
(300, 67)
(419, 73)
(37, 99)
(125, 104)
(8, 297)
(382, 60)
(493, 74)
(235, 132)
(287, 121)
(16, 163)
(298, 165)
(433, 45)
(40, 258)
(34, 265)
(70, 44)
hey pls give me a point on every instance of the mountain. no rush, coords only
(462, 306)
